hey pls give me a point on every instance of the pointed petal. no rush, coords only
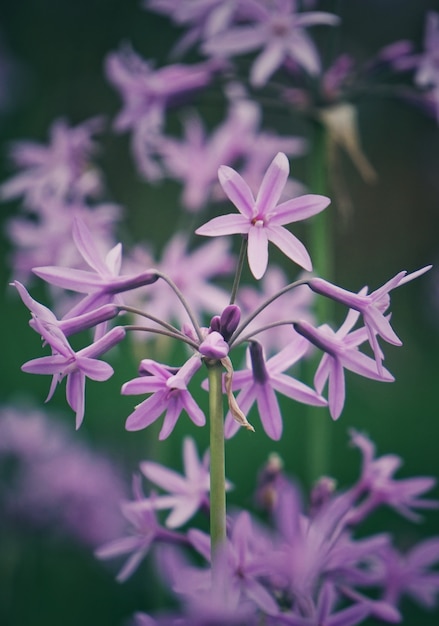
(237, 190)
(336, 390)
(183, 511)
(75, 393)
(270, 59)
(257, 251)
(147, 412)
(297, 390)
(164, 477)
(45, 365)
(269, 411)
(289, 245)
(272, 185)
(94, 369)
(230, 224)
(86, 245)
(68, 278)
(298, 209)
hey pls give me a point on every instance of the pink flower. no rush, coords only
(262, 219)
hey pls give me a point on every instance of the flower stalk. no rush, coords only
(217, 463)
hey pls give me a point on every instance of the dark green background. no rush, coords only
(59, 46)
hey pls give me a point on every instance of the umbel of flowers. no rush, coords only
(306, 568)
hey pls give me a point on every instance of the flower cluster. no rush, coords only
(305, 565)
(260, 221)
(306, 568)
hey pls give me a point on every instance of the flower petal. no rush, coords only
(289, 245)
(257, 252)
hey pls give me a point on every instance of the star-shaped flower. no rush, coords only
(262, 219)
(169, 395)
(341, 351)
(186, 494)
(372, 307)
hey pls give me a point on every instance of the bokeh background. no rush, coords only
(54, 51)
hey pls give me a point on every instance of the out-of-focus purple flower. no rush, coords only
(280, 30)
(192, 271)
(168, 387)
(61, 170)
(137, 544)
(144, 531)
(208, 602)
(103, 283)
(341, 351)
(186, 494)
(147, 93)
(259, 383)
(195, 159)
(46, 238)
(427, 74)
(263, 220)
(324, 615)
(57, 484)
(248, 552)
(410, 573)
(75, 366)
(201, 18)
(372, 307)
(377, 485)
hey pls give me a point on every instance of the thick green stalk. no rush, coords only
(217, 464)
(321, 250)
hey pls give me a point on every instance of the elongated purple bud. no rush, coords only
(126, 283)
(260, 373)
(229, 320)
(314, 336)
(88, 320)
(105, 343)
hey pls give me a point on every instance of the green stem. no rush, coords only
(321, 249)
(217, 465)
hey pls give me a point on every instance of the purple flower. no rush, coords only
(46, 238)
(57, 483)
(103, 283)
(280, 30)
(144, 531)
(372, 307)
(75, 366)
(60, 170)
(193, 271)
(205, 602)
(377, 485)
(169, 395)
(195, 159)
(341, 351)
(260, 382)
(248, 552)
(186, 494)
(324, 615)
(146, 94)
(410, 573)
(202, 18)
(262, 219)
